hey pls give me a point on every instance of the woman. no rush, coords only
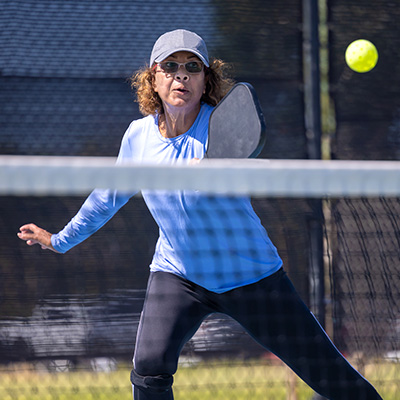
(201, 265)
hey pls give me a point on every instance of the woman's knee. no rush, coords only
(153, 361)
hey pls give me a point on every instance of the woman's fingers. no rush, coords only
(32, 235)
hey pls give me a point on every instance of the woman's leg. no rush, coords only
(172, 313)
(278, 319)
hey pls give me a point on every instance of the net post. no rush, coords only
(312, 116)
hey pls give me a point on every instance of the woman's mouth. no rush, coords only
(181, 90)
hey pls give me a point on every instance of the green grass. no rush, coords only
(253, 380)
(213, 381)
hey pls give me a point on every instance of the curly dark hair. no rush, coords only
(218, 83)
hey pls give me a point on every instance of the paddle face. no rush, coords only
(237, 127)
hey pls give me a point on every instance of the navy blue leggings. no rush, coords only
(270, 310)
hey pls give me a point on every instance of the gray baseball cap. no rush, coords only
(179, 40)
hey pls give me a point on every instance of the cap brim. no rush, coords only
(166, 54)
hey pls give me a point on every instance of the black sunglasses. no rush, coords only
(171, 67)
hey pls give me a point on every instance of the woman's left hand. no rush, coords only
(194, 161)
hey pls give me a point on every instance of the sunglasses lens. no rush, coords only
(193, 67)
(170, 67)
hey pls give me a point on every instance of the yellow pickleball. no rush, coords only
(361, 55)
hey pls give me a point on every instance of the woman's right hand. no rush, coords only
(32, 235)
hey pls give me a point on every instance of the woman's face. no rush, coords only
(180, 89)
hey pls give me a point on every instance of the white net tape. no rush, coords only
(22, 175)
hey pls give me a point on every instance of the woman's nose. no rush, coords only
(181, 74)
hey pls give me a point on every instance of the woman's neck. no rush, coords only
(176, 122)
